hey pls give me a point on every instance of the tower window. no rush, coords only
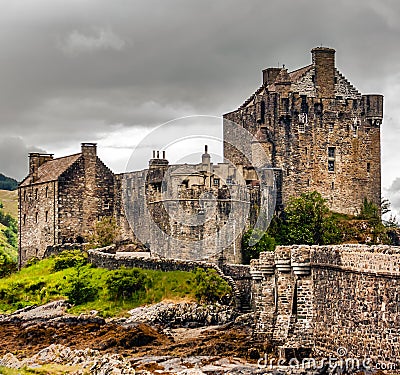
(46, 216)
(331, 159)
(333, 185)
(285, 104)
(368, 167)
(306, 150)
(37, 217)
(24, 219)
(36, 193)
(47, 191)
(330, 127)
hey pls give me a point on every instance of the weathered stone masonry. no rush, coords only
(318, 129)
(325, 297)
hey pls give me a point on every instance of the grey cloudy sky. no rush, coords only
(108, 71)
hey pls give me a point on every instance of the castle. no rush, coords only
(311, 130)
(318, 130)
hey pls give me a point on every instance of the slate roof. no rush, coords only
(51, 170)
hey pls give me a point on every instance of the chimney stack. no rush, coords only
(323, 59)
(269, 75)
(89, 149)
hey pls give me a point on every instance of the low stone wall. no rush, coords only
(329, 297)
(57, 249)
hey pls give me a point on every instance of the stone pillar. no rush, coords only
(324, 63)
(264, 295)
(285, 286)
(90, 199)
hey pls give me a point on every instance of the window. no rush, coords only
(306, 150)
(46, 216)
(331, 159)
(308, 182)
(47, 191)
(216, 181)
(24, 195)
(302, 127)
(37, 217)
(229, 181)
(285, 104)
(335, 79)
(330, 127)
(36, 193)
(368, 167)
(333, 186)
(318, 109)
(24, 219)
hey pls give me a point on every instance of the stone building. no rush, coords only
(183, 211)
(61, 199)
(310, 130)
(318, 129)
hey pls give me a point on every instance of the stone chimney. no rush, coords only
(323, 59)
(89, 149)
(269, 75)
(35, 161)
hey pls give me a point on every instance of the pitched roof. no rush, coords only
(51, 170)
(297, 74)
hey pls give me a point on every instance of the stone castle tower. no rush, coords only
(319, 130)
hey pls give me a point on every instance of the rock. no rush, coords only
(182, 315)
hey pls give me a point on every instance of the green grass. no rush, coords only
(10, 202)
(39, 284)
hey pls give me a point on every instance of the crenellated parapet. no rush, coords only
(321, 298)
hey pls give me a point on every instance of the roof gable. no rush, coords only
(52, 169)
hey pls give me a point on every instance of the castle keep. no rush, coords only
(310, 130)
(318, 129)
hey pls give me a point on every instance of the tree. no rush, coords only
(308, 221)
(210, 287)
(254, 242)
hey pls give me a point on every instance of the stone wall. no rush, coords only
(326, 297)
(38, 226)
(319, 130)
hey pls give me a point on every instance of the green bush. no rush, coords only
(125, 283)
(81, 289)
(68, 259)
(254, 242)
(7, 264)
(106, 232)
(210, 287)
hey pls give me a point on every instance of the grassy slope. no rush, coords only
(38, 284)
(10, 202)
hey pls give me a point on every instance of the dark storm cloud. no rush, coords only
(13, 160)
(74, 70)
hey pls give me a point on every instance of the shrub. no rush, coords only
(68, 259)
(81, 289)
(7, 264)
(210, 287)
(254, 242)
(125, 283)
